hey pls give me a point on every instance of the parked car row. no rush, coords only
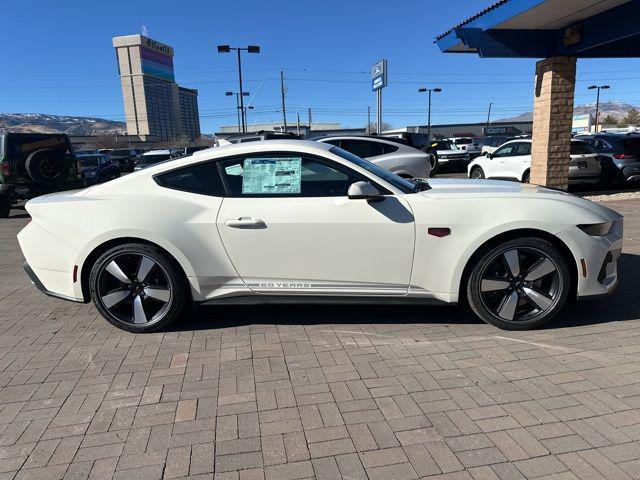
(594, 159)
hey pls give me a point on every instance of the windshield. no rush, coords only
(120, 153)
(400, 183)
(89, 161)
(463, 141)
(151, 159)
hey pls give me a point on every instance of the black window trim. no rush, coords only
(383, 190)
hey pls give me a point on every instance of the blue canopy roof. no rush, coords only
(547, 28)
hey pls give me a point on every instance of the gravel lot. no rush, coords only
(290, 392)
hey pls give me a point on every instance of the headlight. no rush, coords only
(596, 229)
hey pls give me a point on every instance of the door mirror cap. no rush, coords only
(364, 191)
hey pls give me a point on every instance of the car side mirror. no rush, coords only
(364, 191)
(489, 156)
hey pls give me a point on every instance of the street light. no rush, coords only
(244, 94)
(598, 87)
(430, 90)
(249, 49)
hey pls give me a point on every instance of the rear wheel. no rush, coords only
(527, 177)
(137, 287)
(477, 173)
(520, 284)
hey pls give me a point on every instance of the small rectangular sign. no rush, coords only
(379, 75)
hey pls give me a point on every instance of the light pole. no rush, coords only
(598, 87)
(245, 94)
(245, 113)
(249, 49)
(429, 90)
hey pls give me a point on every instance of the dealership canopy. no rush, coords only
(549, 28)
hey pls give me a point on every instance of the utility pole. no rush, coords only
(284, 108)
(489, 114)
(429, 90)
(238, 110)
(298, 115)
(603, 87)
(309, 112)
(368, 119)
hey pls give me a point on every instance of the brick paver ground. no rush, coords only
(286, 392)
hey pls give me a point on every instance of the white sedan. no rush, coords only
(304, 221)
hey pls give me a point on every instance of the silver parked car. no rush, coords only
(403, 160)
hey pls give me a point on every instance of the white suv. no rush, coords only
(512, 161)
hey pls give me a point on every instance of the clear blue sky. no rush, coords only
(57, 58)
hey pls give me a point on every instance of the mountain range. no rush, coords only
(614, 108)
(44, 123)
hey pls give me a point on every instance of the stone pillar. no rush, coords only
(552, 116)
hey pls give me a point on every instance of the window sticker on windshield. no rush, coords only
(272, 176)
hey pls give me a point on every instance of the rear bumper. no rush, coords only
(40, 286)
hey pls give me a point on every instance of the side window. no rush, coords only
(201, 178)
(362, 148)
(523, 148)
(293, 175)
(386, 148)
(506, 150)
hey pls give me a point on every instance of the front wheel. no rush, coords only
(477, 173)
(433, 161)
(526, 178)
(5, 206)
(137, 287)
(520, 284)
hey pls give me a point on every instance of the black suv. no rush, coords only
(619, 155)
(33, 164)
(126, 158)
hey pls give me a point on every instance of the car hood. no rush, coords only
(495, 189)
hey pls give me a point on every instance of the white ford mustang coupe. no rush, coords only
(289, 220)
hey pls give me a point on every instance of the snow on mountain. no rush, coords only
(71, 125)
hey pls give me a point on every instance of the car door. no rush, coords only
(520, 163)
(289, 228)
(497, 166)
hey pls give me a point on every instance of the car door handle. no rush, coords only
(245, 222)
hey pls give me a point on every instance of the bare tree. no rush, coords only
(372, 127)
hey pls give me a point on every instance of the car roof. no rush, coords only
(360, 137)
(158, 152)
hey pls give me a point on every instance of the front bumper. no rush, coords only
(596, 260)
(39, 285)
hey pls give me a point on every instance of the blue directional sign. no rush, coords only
(379, 75)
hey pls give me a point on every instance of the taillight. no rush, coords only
(5, 169)
(621, 156)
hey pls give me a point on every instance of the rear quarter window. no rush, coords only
(581, 148)
(202, 178)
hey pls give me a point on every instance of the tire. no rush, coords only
(527, 177)
(134, 305)
(477, 173)
(5, 206)
(433, 160)
(46, 167)
(526, 303)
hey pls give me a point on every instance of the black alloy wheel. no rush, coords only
(520, 284)
(137, 288)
